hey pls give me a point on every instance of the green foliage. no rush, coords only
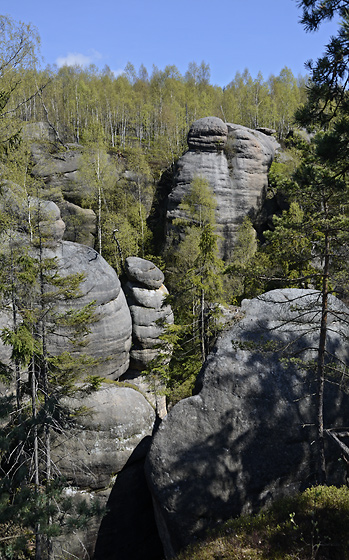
(154, 114)
(317, 195)
(243, 263)
(22, 510)
(22, 344)
(327, 100)
(177, 363)
(198, 205)
(19, 44)
(196, 288)
(291, 249)
(120, 202)
(307, 526)
(31, 289)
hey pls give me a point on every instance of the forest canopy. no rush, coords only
(154, 111)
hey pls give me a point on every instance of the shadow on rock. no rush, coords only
(128, 530)
(248, 436)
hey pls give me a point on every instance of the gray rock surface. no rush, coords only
(38, 132)
(208, 134)
(14, 202)
(106, 444)
(118, 419)
(146, 295)
(80, 223)
(110, 336)
(58, 169)
(52, 225)
(235, 160)
(246, 437)
(144, 272)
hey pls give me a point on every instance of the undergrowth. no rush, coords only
(313, 525)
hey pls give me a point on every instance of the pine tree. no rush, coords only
(309, 249)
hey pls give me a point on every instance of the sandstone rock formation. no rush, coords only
(235, 160)
(58, 170)
(113, 437)
(246, 437)
(110, 439)
(118, 419)
(110, 336)
(16, 205)
(146, 295)
(80, 223)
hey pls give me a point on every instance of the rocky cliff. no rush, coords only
(235, 160)
(110, 336)
(246, 437)
(58, 171)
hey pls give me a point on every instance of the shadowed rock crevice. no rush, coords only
(128, 530)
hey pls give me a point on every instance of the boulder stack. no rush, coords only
(208, 134)
(146, 297)
(107, 443)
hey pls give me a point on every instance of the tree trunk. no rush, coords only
(320, 377)
(44, 374)
(33, 385)
(202, 325)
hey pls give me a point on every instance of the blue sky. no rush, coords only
(229, 35)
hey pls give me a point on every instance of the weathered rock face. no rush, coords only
(109, 439)
(208, 134)
(235, 160)
(107, 443)
(144, 272)
(14, 203)
(80, 223)
(58, 169)
(146, 294)
(246, 437)
(104, 439)
(110, 336)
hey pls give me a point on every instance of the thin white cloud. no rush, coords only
(118, 72)
(78, 59)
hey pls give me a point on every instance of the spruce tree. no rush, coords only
(33, 508)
